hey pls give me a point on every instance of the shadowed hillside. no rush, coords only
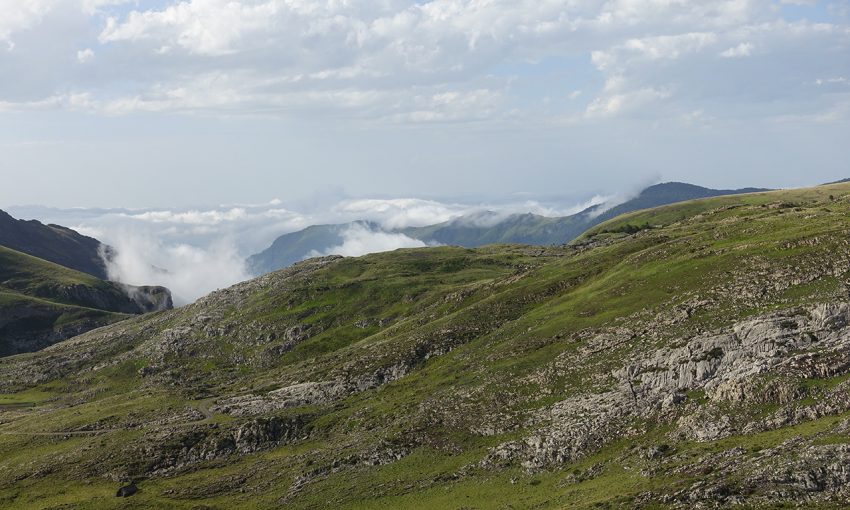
(54, 243)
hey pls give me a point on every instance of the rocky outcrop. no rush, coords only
(149, 298)
(726, 366)
(175, 448)
(127, 491)
(115, 297)
(348, 382)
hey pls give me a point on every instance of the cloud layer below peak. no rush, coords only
(194, 251)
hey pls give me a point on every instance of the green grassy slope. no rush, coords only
(598, 375)
(42, 303)
(39, 278)
(669, 214)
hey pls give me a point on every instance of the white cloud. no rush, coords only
(618, 97)
(203, 27)
(74, 102)
(401, 212)
(18, 15)
(195, 251)
(838, 80)
(188, 271)
(94, 6)
(667, 46)
(685, 72)
(744, 49)
(404, 61)
(192, 217)
(359, 240)
(84, 56)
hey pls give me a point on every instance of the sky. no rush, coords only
(181, 103)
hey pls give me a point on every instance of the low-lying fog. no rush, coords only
(194, 251)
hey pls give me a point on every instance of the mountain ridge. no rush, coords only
(53, 286)
(482, 228)
(54, 243)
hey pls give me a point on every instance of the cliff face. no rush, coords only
(148, 298)
(701, 360)
(114, 297)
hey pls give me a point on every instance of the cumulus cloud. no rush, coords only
(204, 27)
(19, 15)
(405, 61)
(663, 47)
(742, 50)
(697, 71)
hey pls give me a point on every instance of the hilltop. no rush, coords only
(690, 354)
(481, 228)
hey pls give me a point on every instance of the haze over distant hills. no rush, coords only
(477, 229)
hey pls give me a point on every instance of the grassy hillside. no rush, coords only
(40, 278)
(667, 193)
(42, 303)
(696, 353)
(781, 201)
